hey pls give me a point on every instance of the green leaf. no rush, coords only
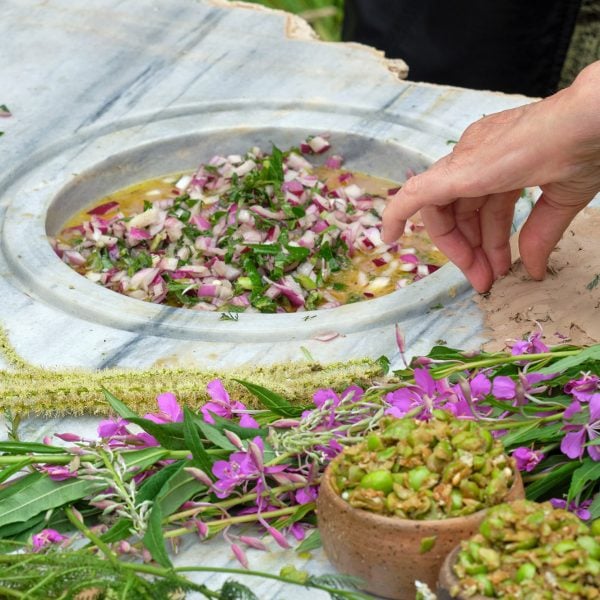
(590, 353)
(446, 353)
(271, 400)
(121, 409)
(42, 494)
(19, 527)
(154, 539)
(297, 253)
(588, 471)
(10, 471)
(312, 542)
(212, 434)
(234, 590)
(119, 531)
(19, 484)
(534, 432)
(243, 433)
(595, 508)
(151, 488)
(553, 481)
(270, 249)
(179, 488)
(143, 459)
(168, 435)
(276, 162)
(26, 447)
(201, 459)
(298, 515)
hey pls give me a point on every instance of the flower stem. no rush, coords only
(501, 360)
(234, 501)
(108, 553)
(219, 524)
(516, 424)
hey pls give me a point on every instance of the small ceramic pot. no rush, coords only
(386, 552)
(447, 579)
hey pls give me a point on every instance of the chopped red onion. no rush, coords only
(103, 208)
(294, 187)
(319, 144)
(334, 162)
(203, 241)
(74, 258)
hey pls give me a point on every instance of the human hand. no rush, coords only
(467, 198)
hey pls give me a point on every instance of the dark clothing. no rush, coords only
(514, 46)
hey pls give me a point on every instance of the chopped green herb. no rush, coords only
(229, 316)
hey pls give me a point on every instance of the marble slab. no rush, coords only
(103, 84)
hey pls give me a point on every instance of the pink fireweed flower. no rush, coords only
(322, 396)
(307, 494)
(298, 531)
(59, 472)
(68, 437)
(45, 538)
(113, 427)
(581, 510)
(521, 390)
(584, 388)
(468, 394)
(240, 555)
(327, 400)
(222, 405)
(241, 468)
(330, 450)
(532, 345)
(201, 528)
(118, 436)
(252, 542)
(527, 459)
(170, 411)
(573, 444)
(426, 393)
(276, 535)
(199, 475)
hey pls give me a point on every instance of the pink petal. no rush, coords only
(504, 387)
(247, 421)
(278, 537)
(167, 403)
(572, 444)
(240, 555)
(217, 392)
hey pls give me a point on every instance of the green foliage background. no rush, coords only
(325, 16)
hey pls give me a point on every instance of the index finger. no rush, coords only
(436, 186)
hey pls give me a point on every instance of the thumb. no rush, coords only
(542, 231)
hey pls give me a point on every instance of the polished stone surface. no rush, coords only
(123, 88)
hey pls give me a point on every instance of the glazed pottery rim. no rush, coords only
(400, 523)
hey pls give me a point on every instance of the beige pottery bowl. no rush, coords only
(385, 552)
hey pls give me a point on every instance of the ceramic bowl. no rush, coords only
(447, 579)
(385, 552)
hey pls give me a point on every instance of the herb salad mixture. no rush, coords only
(259, 232)
(424, 470)
(533, 551)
